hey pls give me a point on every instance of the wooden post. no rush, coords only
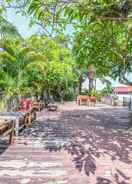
(11, 139)
(17, 127)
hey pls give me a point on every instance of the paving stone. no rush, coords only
(76, 145)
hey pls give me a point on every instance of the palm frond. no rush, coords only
(8, 29)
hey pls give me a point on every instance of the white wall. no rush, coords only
(123, 95)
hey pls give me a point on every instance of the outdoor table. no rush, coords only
(52, 107)
(15, 117)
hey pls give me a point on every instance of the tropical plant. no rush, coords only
(101, 40)
(55, 72)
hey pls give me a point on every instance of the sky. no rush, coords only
(100, 85)
(22, 24)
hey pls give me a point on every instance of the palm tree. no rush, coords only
(14, 58)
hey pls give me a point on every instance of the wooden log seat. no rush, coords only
(7, 128)
(52, 107)
(82, 99)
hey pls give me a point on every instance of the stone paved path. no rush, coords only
(30, 164)
(76, 145)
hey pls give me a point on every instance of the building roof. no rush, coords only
(123, 89)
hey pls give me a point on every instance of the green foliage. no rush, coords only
(93, 93)
(101, 39)
(103, 31)
(107, 90)
(33, 68)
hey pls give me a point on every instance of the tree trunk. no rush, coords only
(46, 97)
(36, 96)
(91, 84)
(91, 75)
(80, 85)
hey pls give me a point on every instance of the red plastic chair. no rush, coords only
(26, 108)
(25, 105)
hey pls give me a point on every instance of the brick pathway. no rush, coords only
(76, 145)
(31, 164)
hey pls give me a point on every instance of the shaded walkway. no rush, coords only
(87, 146)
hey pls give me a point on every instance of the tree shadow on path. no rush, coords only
(87, 135)
(3, 146)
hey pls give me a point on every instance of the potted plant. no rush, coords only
(93, 96)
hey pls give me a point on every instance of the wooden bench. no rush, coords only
(38, 106)
(7, 128)
(30, 116)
